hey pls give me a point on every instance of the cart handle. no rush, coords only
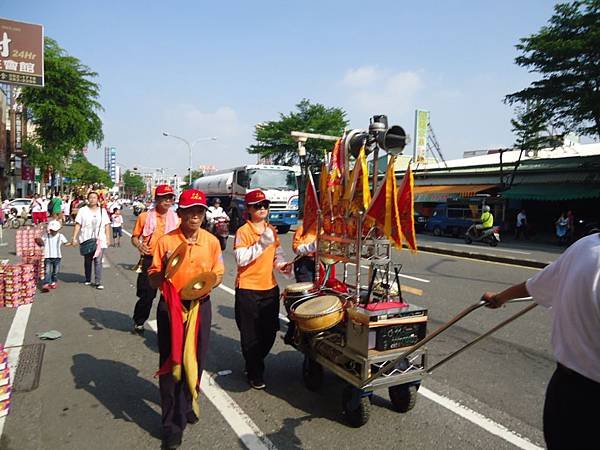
(389, 366)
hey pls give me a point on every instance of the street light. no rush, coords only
(189, 147)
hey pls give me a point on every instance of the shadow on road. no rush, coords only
(68, 277)
(100, 319)
(119, 388)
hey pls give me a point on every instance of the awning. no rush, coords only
(442, 192)
(552, 192)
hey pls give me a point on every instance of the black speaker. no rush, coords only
(393, 140)
(354, 142)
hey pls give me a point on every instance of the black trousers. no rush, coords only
(145, 294)
(175, 397)
(570, 420)
(257, 318)
(304, 269)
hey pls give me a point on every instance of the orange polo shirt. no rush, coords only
(258, 275)
(302, 240)
(151, 240)
(204, 255)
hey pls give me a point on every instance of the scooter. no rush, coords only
(489, 236)
(220, 228)
(138, 208)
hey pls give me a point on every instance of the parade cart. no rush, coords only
(358, 326)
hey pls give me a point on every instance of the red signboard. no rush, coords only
(21, 53)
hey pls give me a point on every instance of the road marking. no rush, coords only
(247, 431)
(15, 338)
(464, 412)
(479, 420)
(422, 280)
(473, 260)
(126, 232)
(496, 249)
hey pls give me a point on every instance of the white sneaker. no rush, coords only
(88, 283)
(99, 286)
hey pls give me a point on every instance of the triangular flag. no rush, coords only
(360, 193)
(406, 209)
(311, 208)
(324, 194)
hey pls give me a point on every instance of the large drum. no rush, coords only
(318, 314)
(298, 293)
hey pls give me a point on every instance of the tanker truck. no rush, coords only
(230, 186)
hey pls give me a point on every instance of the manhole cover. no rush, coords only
(29, 370)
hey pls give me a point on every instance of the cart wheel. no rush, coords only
(403, 396)
(494, 242)
(312, 373)
(357, 406)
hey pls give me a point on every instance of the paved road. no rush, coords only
(97, 388)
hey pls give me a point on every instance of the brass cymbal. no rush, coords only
(175, 260)
(199, 286)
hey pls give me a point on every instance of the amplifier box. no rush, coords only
(397, 336)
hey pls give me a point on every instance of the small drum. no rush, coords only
(298, 292)
(318, 314)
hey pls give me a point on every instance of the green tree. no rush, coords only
(82, 172)
(566, 54)
(531, 129)
(195, 175)
(133, 184)
(273, 139)
(64, 111)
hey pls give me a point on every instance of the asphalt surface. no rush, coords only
(97, 388)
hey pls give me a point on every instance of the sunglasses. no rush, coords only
(261, 205)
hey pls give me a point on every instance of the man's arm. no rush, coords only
(497, 300)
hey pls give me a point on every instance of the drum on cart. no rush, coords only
(318, 314)
(298, 293)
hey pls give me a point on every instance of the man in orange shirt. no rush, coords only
(257, 253)
(150, 226)
(184, 324)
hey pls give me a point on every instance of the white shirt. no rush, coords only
(37, 205)
(45, 204)
(216, 212)
(116, 221)
(52, 245)
(93, 224)
(570, 286)
(521, 219)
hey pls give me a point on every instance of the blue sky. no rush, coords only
(200, 69)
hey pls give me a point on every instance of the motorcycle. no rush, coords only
(489, 236)
(138, 208)
(220, 229)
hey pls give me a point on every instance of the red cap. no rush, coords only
(192, 197)
(164, 189)
(255, 196)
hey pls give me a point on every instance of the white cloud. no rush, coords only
(370, 90)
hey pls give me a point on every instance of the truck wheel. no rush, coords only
(403, 397)
(437, 231)
(282, 229)
(312, 374)
(357, 407)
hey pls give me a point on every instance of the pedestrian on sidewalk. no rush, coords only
(570, 288)
(116, 223)
(149, 228)
(184, 324)
(521, 225)
(257, 253)
(52, 241)
(37, 210)
(92, 225)
(562, 228)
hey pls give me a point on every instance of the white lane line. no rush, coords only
(496, 249)
(15, 338)
(480, 420)
(126, 232)
(422, 280)
(247, 431)
(466, 413)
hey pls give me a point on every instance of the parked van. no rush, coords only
(452, 219)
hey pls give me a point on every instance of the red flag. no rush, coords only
(384, 207)
(336, 166)
(311, 208)
(406, 209)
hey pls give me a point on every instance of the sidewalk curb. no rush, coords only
(484, 257)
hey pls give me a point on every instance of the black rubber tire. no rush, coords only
(493, 242)
(282, 229)
(437, 231)
(357, 412)
(223, 242)
(312, 374)
(403, 397)
(468, 240)
(15, 223)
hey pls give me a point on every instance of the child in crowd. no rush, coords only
(52, 241)
(116, 223)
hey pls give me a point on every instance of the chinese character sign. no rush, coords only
(421, 126)
(21, 53)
